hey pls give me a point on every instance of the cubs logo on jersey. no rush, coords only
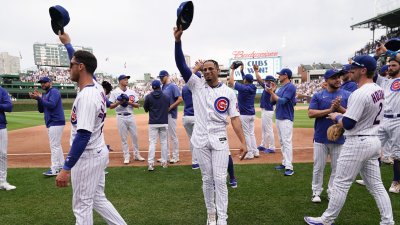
(221, 104)
(395, 85)
(132, 98)
(73, 115)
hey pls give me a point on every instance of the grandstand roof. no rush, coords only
(390, 19)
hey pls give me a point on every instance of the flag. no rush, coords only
(125, 65)
(20, 55)
(106, 59)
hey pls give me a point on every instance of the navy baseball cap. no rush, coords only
(44, 80)
(285, 71)
(163, 73)
(249, 78)
(155, 84)
(383, 69)
(364, 61)
(330, 73)
(59, 18)
(270, 78)
(185, 14)
(121, 77)
(393, 44)
(345, 69)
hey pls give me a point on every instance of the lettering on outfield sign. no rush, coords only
(266, 66)
(242, 54)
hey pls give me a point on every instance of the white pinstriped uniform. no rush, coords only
(188, 124)
(210, 140)
(389, 133)
(126, 123)
(359, 154)
(87, 176)
(3, 154)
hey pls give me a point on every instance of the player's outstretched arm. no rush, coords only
(66, 40)
(231, 80)
(258, 76)
(237, 127)
(179, 57)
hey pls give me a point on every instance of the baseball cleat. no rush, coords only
(160, 160)
(173, 160)
(316, 199)
(387, 160)
(395, 187)
(268, 151)
(257, 155)
(360, 182)
(261, 148)
(164, 164)
(289, 172)
(151, 167)
(105, 172)
(211, 219)
(139, 158)
(315, 221)
(6, 186)
(280, 167)
(233, 183)
(195, 166)
(126, 161)
(248, 156)
(51, 173)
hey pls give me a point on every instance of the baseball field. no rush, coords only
(173, 195)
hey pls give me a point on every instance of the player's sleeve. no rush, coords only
(112, 97)
(181, 63)
(262, 84)
(239, 87)
(86, 112)
(146, 103)
(288, 95)
(345, 98)
(314, 103)
(79, 144)
(233, 106)
(6, 105)
(176, 93)
(51, 103)
(355, 107)
(70, 50)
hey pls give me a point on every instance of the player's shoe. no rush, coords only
(395, 187)
(51, 173)
(164, 164)
(139, 158)
(126, 161)
(261, 148)
(289, 172)
(268, 151)
(6, 186)
(360, 182)
(315, 221)
(387, 160)
(174, 160)
(233, 183)
(151, 167)
(105, 172)
(257, 154)
(160, 160)
(315, 198)
(280, 167)
(195, 166)
(211, 219)
(248, 156)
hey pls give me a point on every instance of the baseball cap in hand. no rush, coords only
(330, 73)
(59, 18)
(364, 61)
(185, 14)
(121, 77)
(393, 44)
(163, 73)
(155, 84)
(44, 80)
(285, 71)
(270, 78)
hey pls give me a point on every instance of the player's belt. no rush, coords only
(124, 114)
(391, 116)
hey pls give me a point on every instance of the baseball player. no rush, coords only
(5, 106)
(188, 120)
(361, 148)
(213, 102)
(285, 100)
(124, 100)
(388, 132)
(246, 94)
(157, 104)
(267, 112)
(50, 104)
(329, 100)
(347, 83)
(88, 155)
(175, 98)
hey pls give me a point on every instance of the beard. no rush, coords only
(394, 73)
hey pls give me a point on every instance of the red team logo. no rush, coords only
(395, 85)
(221, 104)
(132, 98)
(73, 116)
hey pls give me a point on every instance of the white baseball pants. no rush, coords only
(88, 182)
(156, 130)
(359, 154)
(213, 165)
(127, 124)
(188, 124)
(173, 137)
(321, 152)
(285, 132)
(3, 155)
(248, 130)
(388, 133)
(267, 133)
(57, 155)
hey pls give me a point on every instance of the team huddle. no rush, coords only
(362, 104)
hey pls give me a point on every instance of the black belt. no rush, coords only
(124, 114)
(391, 116)
(363, 135)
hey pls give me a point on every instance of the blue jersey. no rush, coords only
(350, 86)
(172, 91)
(323, 100)
(187, 99)
(51, 105)
(246, 94)
(265, 101)
(285, 107)
(5, 106)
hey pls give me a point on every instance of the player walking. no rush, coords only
(5, 106)
(285, 100)
(267, 112)
(329, 100)
(124, 100)
(50, 104)
(213, 102)
(88, 155)
(361, 148)
(175, 98)
(246, 94)
(157, 104)
(347, 82)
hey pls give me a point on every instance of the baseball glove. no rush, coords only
(124, 99)
(236, 64)
(335, 132)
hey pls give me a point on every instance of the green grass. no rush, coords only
(174, 196)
